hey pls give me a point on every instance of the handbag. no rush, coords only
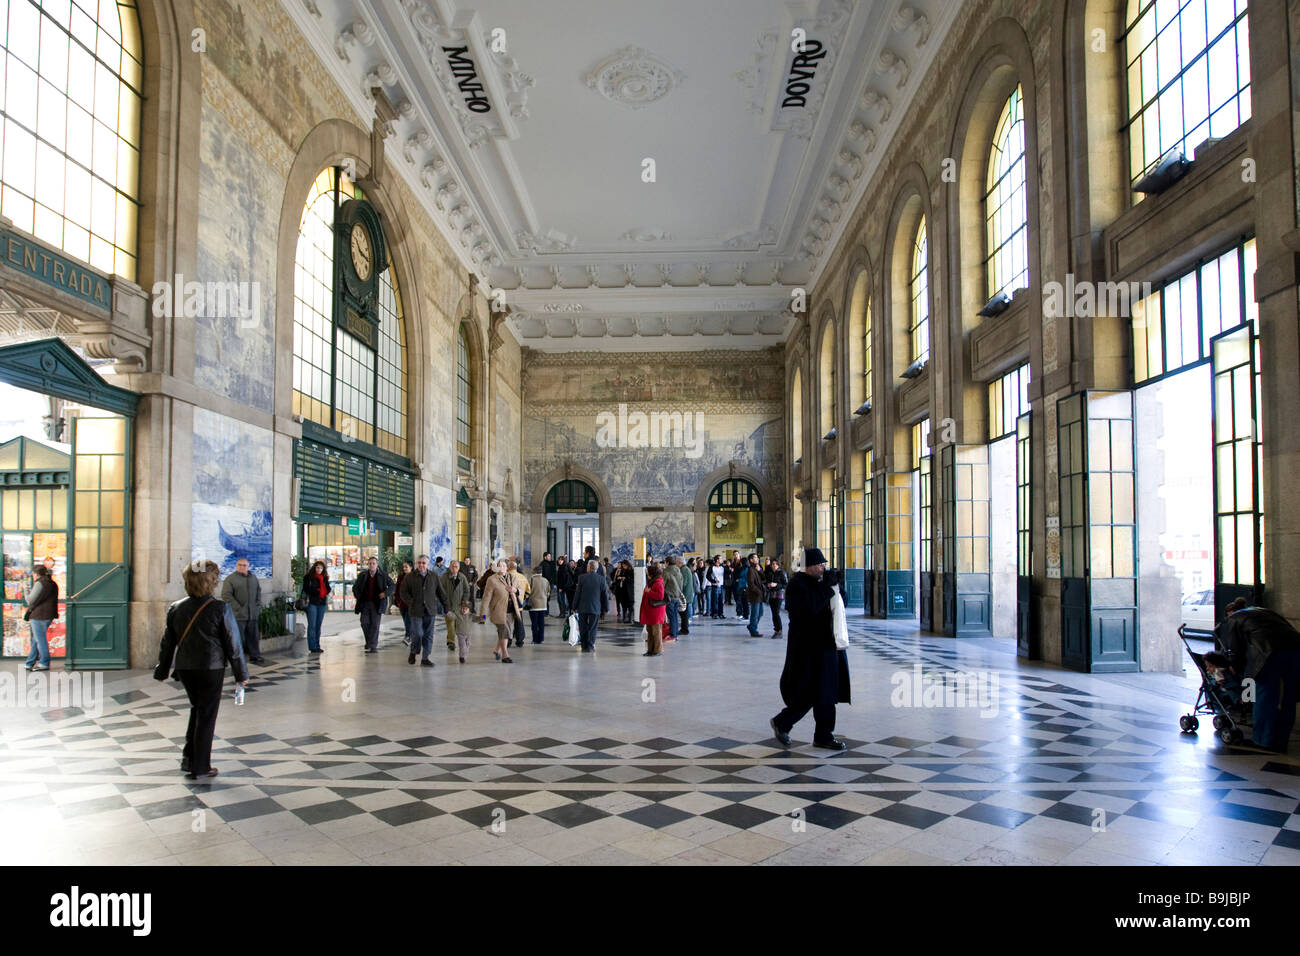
(301, 603)
(839, 623)
(160, 672)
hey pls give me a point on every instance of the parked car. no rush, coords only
(1198, 611)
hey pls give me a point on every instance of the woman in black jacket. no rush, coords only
(622, 592)
(202, 637)
(776, 584)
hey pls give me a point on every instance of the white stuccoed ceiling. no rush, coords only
(540, 184)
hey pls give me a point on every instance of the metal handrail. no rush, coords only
(116, 567)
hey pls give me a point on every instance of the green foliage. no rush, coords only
(390, 559)
(298, 566)
(270, 619)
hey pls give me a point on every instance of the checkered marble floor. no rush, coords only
(615, 758)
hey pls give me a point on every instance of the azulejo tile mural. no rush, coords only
(231, 514)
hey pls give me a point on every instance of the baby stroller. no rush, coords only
(1231, 716)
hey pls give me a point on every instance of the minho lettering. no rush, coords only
(74, 909)
(462, 67)
(802, 69)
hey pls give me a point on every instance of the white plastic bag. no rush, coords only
(573, 630)
(839, 623)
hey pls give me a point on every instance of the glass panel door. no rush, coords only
(99, 578)
(1238, 504)
(1027, 637)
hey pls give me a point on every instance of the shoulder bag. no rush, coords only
(160, 672)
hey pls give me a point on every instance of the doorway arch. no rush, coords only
(769, 519)
(571, 490)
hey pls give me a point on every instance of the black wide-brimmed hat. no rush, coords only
(813, 556)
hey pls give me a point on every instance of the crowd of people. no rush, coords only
(226, 631)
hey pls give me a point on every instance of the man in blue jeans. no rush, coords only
(422, 592)
(716, 578)
(590, 603)
(42, 608)
(673, 593)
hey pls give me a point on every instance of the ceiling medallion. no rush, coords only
(634, 77)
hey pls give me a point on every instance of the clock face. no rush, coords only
(363, 254)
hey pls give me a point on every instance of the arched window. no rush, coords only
(866, 353)
(829, 405)
(70, 138)
(796, 416)
(338, 380)
(859, 355)
(1188, 76)
(464, 401)
(572, 495)
(735, 494)
(1006, 207)
(920, 289)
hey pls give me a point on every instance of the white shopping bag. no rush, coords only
(839, 623)
(573, 630)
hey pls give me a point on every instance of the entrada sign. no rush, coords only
(802, 69)
(462, 67)
(47, 266)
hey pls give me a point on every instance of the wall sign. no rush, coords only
(52, 269)
(802, 69)
(462, 67)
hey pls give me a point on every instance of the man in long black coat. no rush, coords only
(816, 674)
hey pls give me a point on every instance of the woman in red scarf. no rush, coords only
(653, 610)
(316, 588)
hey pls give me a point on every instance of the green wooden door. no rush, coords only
(98, 570)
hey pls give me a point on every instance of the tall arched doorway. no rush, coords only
(572, 518)
(735, 517)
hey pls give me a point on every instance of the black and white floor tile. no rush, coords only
(613, 758)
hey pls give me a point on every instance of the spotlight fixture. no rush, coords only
(1172, 167)
(996, 305)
